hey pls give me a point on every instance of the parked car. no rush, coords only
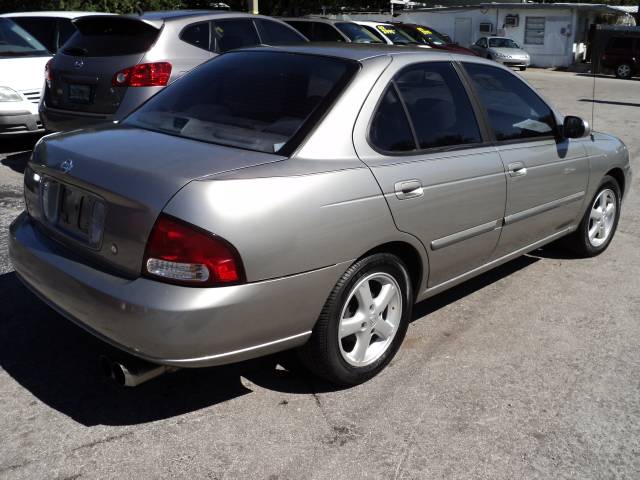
(305, 197)
(389, 34)
(22, 61)
(622, 54)
(428, 36)
(502, 50)
(325, 30)
(52, 29)
(115, 63)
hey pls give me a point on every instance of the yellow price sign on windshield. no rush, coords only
(386, 30)
(424, 31)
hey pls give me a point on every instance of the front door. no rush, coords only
(443, 183)
(546, 175)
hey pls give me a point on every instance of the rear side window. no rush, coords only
(273, 33)
(44, 29)
(323, 32)
(390, 129)
(259, 101)
(232, 34)
(357, 33)
(65, 31)
(515, 111)
(619, 43)
(110, 36)
(438, 105)
(197, 35)
(306, 28)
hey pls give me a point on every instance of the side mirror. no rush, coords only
(575, 127)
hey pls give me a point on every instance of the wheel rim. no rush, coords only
(602, 217)
(370, 319)
(624, 70)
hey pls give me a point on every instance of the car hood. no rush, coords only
(512, 52)
(26, 73)
(135, 172)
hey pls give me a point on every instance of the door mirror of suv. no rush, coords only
(575, 127)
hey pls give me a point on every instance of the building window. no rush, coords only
(534, 31)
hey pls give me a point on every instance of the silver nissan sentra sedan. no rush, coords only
(306, 197)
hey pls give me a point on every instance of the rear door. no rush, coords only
(84, 69)
(444, 183)
(546, 175)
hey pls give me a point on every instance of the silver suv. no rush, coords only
(113, 64)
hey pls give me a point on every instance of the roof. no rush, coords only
(313, 19)
(524, 6)
(53, 14)
(360, 51)
(370, 23)
(180, 14)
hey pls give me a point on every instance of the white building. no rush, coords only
(554, 34)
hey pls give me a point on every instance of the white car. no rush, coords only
(22, 63)
(390, 34)
(52, 29)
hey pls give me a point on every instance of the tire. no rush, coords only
(489, 57)
(522, 69)
(624, 71)
(580, 241)
(341, 360)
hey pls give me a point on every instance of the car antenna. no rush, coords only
(593, 96)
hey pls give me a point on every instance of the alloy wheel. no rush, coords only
(602, 217)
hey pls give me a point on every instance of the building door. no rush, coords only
(462, 31)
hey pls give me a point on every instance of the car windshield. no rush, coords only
(357, 33)
(16, 42)
(502, 43)
(429, 36)
(395, 35)
(258, 101)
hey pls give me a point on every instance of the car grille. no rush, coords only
(32, 95)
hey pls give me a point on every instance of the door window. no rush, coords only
(44, 29)
(482, 43)
(65, 30)
(438, 105)
(621, 43)
(303, 27)
(514, 110)
(326, 33)
(390, 129)
(273, 33)
(232, 34)
(197, 35)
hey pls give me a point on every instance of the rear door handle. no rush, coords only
(517, 169)
(408, 189)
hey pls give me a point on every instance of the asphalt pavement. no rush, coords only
(529, 371)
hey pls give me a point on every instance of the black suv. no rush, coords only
(622, 54)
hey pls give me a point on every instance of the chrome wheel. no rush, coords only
(369, 319)
(602, 217)
(624, 70)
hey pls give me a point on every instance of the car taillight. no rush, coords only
(143, 75)
(48, 72)
(178, 252)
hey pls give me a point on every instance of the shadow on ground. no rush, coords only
(610, 102)
(58, 363)
(600, 75)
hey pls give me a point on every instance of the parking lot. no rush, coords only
(528, 371)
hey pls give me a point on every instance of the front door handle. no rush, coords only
(408, 189)
(517, 169)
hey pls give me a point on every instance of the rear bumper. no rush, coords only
(56, 120)
(168, 324)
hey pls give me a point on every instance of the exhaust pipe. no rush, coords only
(132, 373)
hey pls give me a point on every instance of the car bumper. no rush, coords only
(15, 122)
(513, 62)
(169, 324)
(55, 120)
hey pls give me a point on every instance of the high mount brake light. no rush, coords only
(178, 252)
(143, 75)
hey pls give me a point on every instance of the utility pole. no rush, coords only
(253, 6)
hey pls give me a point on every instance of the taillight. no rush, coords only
(143, 75)
(48, 72)
(178, 252)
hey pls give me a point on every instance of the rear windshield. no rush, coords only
(110, 36)
(357, 33)
(16, 42)
(261, 101)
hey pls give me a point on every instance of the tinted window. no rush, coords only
(375, 33)
(232, 34)
(357, 33)
(197, 35)
(326, 33)
(273, 33)
(396, 36)
(16, 42)
(306, 28)
(65, 30)
(515, 111)
(502, 43)
(44, 29)
(438, 105)
(252, 100)
(390, 130)
(621, 43)
(482, 43)
(109, 36)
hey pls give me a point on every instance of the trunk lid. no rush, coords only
(133, 173)
(84, 68)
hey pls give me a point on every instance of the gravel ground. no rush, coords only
(529, 371)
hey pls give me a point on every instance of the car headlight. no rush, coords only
(9, 95)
